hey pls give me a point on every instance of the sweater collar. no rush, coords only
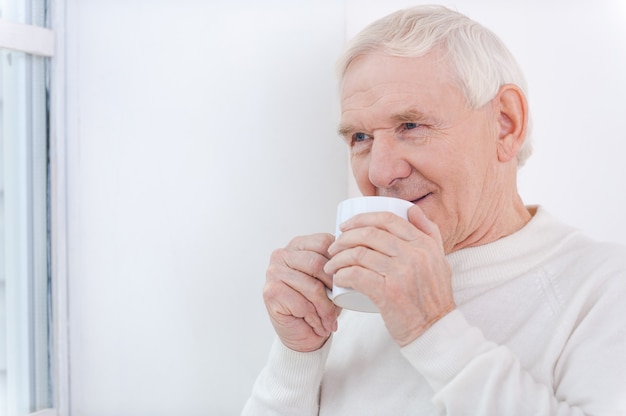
(509, 256)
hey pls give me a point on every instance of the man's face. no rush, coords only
(413, 136)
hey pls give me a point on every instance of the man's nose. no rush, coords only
(388, 163)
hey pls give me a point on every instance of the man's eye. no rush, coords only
(411, 126)
(359, 137)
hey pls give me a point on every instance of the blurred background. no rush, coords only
(200, 135)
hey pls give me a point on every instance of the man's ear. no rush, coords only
(512, 115)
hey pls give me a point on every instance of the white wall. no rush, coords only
(201, 135)
(574, 56)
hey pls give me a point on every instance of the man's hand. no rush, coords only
(400, 265)
(295, 293)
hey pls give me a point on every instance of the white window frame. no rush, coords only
(42, 42)
(34, 40)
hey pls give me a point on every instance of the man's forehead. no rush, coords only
(378, 75)
(382, 63)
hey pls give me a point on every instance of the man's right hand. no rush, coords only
(295, 293)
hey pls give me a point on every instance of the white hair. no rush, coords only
(478, 58)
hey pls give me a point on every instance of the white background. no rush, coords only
(201, 135)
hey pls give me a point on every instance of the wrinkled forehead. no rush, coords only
(431, 77)
(378, 72)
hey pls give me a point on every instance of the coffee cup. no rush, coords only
(346, 297)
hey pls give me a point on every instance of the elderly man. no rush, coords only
(487, 306)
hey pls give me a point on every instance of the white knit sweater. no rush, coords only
(539, 329)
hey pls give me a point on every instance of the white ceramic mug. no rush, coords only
(349, 298)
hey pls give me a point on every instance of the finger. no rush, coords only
(377, 239)
(292, 314)
(317, 243)
(361, 256)
(387, 221)
(285, 300)
(314, 291)
(362, 280)
(308, 262)
(303, 282)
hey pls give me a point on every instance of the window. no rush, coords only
(26, 324)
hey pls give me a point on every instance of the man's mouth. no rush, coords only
(421, 198)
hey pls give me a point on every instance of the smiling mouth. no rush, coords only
(420, 199)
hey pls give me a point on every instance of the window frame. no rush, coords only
(30, 39)
(45, 42)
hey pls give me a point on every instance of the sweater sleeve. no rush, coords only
(471, 375)
(289, 384)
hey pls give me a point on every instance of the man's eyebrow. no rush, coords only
(344, 130)
(410, 115)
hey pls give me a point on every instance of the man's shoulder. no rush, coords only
(583, 262)
(579, 248)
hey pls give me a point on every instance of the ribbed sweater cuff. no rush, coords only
(294, 377)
